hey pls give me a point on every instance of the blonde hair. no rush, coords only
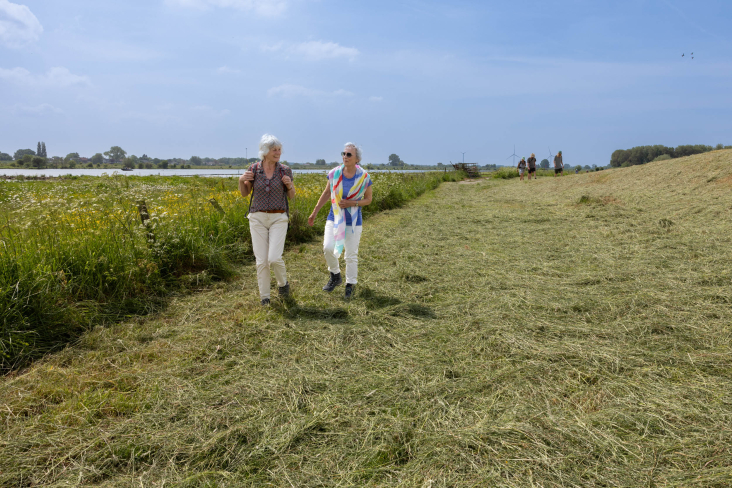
(533, 155)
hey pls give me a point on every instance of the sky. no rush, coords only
(426, 80)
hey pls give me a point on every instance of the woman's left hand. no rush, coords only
(347, 203)
(287, 181)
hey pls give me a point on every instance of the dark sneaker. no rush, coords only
(335, 280)
(350, 289)
(265, 302)
(285, 290)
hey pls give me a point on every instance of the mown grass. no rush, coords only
(74, 253)
(506, 173)
(563, 332)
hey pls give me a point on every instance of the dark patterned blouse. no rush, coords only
(269, 194)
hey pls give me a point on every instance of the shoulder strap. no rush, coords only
(255, 168)
(287, 200)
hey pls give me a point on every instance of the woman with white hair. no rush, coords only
(349, 189)
(270, 184)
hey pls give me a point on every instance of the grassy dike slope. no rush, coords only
(562, 332)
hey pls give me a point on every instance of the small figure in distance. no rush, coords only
(558, 164)
(532, 165)
(576, 170)
(521, 168)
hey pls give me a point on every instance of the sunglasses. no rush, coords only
(346, 154)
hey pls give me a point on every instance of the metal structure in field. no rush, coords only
(470, 168)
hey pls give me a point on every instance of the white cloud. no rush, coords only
(107, 50)
(318, 50)
(376, 99)
(171, 113)
(224, 70)
(208, 111)
(18, 25)
(291, 91)
(41, 109)
(314, 50)
(58, 77)
(266, 8)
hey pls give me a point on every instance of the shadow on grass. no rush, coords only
(376, 300)
(415, 310)
(291, 309)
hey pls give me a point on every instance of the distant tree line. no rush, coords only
(646, 154)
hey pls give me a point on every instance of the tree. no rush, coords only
(394, 160)
(43, 154)
(320, 162)
(544, 164)
(97, 158)
(5, 157)
(39, 151)
(38, 162)
(27, 159)
(164, 164)
(22, 152)
(128, 163)
(116, 154)
(75, 156)
(196, 160)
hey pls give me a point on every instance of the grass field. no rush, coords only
(565, 332)
(74, 252)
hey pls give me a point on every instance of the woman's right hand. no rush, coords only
(247, 176)
(311, 220)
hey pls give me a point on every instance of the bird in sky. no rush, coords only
(682, 55)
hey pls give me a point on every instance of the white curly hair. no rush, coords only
(267, 142)
(359, 154)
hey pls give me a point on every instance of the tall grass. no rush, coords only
(75, 253)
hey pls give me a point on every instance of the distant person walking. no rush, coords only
(532, 165)
(348, 189)
(270, 184)
(521, 168)
(558, 164)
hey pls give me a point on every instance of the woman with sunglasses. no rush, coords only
(270, 184)
(348, 189)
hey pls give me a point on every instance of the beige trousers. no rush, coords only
(268, 241)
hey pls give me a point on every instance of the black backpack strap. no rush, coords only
(255, 168)
(287, 200)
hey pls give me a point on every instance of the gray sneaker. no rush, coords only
(265, 302)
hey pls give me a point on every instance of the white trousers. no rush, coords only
(268, 241)
(350, 251)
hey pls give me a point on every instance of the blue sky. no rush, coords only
(426, 80)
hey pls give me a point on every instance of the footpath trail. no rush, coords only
(561, 332)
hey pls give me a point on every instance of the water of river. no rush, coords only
(150, 172)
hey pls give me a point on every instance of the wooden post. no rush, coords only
(217, 206)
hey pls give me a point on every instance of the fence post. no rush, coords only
(216, 205)
(145, 217)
